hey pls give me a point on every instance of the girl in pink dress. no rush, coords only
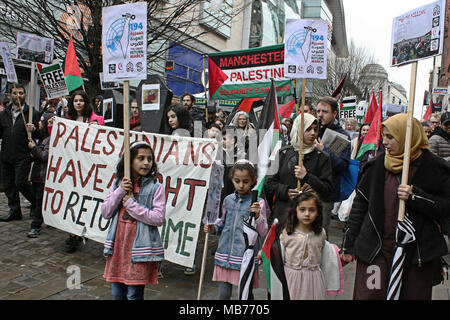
(302, 242)
(136, 207)
(236, 208)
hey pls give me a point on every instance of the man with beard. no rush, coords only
(15, 155)
(327, 109)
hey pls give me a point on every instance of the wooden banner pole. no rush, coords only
(32, 92)
(126, 128)
(409, 128)
(202, 271)
(302, 129)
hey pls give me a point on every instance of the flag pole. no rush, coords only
(32, 91)
(206, 97)
(126, 128)
(302, 129)
(409, 127)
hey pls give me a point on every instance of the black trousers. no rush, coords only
(15, 180)
(36, 215)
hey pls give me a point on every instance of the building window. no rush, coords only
(218, 21)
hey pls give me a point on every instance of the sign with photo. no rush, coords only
(35, 49)
(418, 34)
(305, 49)
(108, 85)
(124, 41)
(150, 97)
(108, 110)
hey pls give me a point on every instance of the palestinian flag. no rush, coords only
(372, 109)
(245, 105)
(429, 111)
(71, 69)
(337, 91)
(273, 266)
(287, 109)
(269, 130)
(247, 73)
(371, 140)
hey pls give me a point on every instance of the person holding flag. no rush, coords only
(236, 208)
(370, 233)
(316, 170)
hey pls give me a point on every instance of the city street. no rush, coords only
(39, 269)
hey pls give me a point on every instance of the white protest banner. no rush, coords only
(124, 41)
(8, 63)
(82, 168)
(418, 34)
(305, 49)
(53, 80)
(35, 49)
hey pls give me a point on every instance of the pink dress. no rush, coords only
(118, 266)
(302, 257)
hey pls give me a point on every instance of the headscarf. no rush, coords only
(397, 128)
(295, 136)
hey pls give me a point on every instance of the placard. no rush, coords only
(53, 80)
(150, 97)
(418, 34)
(35, 49)
(11, 74)
(305, 48)
(124, 41)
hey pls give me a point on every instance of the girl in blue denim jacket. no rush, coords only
(235, 209)
(136, 207)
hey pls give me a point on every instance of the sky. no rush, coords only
(369, 23)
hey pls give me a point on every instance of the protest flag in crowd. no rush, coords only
(71, 69)
(372, 109)
(429, 111)
(286, 109)
(371, 140)
(337, 91)
(270, 135)
(246, 104)
(273, 266)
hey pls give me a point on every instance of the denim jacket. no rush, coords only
(231, 247)
(148, 245)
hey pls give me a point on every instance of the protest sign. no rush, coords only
(418, 34)
(53, 80)
(124, 41)
(82, 168)
(150, 97)
(8, 63)
(35, 49)
(247, 73)
(306, 49)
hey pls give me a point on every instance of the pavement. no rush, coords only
(39, 269)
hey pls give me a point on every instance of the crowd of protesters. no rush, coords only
(300, 196)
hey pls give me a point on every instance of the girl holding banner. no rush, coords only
(137, 207)
(370, 234)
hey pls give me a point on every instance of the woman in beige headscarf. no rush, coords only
(316, 170)
(370, 233)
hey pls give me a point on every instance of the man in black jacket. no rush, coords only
(15, 154)
(327, 109)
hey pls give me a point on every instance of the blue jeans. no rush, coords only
(121, 291)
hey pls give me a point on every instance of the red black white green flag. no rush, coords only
(247, 73)
(269, 130)
(371, 140)
(273, 266)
